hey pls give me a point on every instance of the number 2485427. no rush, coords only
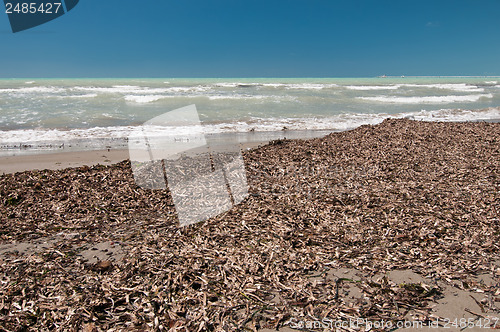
(33, 8)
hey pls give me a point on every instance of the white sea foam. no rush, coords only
(46, 135)
(120, 89)
(235, 84)
(142, 99)
(320, 86)
(34, 89)
(152, 98)
(307, 86)
(226, 85)
(88, 95)
(289, 86)
(460, 87)
(372, 87)
(273, 98)
(310, 86)
(335, 123)
(236, 97)
(131, 89)
(427, 99)
(190, 89)
(227, 97)
(450, 115)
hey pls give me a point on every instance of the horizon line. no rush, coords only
(261, 77)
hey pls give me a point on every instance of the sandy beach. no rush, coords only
(397, 222)
(62, 160)
(26, 160)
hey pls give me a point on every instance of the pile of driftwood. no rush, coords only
(420, 196)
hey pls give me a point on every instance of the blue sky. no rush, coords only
(254, 38)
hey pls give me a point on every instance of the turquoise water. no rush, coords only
(65, 109)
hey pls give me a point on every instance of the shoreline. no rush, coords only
(27, 161)
(60, 160)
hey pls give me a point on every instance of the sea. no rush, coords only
(54, 115)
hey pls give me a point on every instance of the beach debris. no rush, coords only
(396, 222)
(204, 179)
(103, 266)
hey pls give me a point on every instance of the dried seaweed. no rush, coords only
(402, 195)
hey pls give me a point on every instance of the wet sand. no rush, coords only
(62, 160)
(26, 160)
